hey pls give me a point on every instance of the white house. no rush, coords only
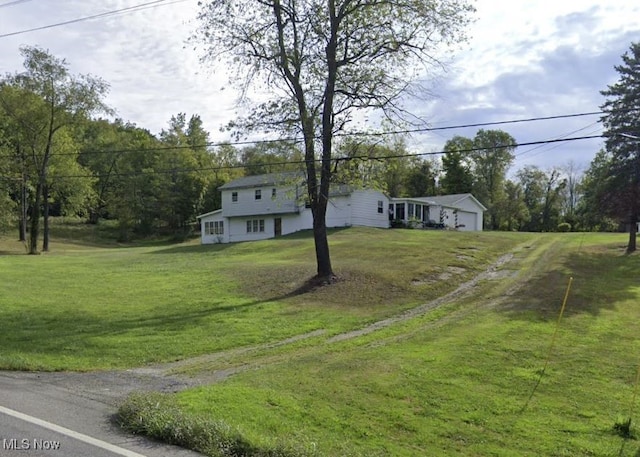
(457, 211)
(268, 206)
(272, 205)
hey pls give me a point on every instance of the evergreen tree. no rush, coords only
(619, 195)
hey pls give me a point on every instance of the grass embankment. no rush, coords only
(86, 307)
(462, 380)
(468, 381)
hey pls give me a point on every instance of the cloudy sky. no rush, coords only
(525, 59)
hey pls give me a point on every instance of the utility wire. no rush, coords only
(484, 124)
(520, 154)
(300, 162)
(141, 6)
(551, 148)
(300, 140)
(15, 2)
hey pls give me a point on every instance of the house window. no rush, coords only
(234, 196)
(410, 210)
(273, 193)
(255, 226)
(400, 211)
(380, 207)
(258, 194)
(214, 228)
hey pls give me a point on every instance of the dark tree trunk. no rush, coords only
(22, 224)
(323, 259)
(45, 213)
(633, 229)
(94, 217)
(35, 221)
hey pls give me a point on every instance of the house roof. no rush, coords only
(270, 179)
(210, 213)
(454, 199)
(445, 200)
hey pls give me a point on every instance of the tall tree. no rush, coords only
(9, 179)
(226, 167)
(324, 60)
(621, 196)
(45, 99)
(422, 178)
(271, 157)
(382, 165)
(542, 194)
(457, 176)
(492, 157)
(516, 214)
(594, 208)
(571, 193)
(187, 172)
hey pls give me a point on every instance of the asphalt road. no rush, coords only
(52, 414)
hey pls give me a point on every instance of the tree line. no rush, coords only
(58, 157)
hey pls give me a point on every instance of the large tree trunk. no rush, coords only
(45, 203)
(323, 259)
(35, 221)
(633, 229)
(22, 224)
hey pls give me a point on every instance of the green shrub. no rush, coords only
(564, 227)
(159, 416)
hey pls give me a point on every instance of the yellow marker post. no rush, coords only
(555, 333)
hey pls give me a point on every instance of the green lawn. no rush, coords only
(83, 308)
(464, 379)
(467, 384)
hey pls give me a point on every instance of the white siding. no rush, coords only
(339, 211)
(467, 221)
(442, 214)
(285, 201)
(238, 229)
(357, 208)
(470, 206)
(212, 239)
(364, 209)
(292, 223)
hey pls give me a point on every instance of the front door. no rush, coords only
(277, 224)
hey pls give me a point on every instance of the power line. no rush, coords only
(15, 2)
(300, 162)
(300, 140)
(485, 124)
(141, 6)
(520, 154)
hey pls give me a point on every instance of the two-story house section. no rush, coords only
(268, 206)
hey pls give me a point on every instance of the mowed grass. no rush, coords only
(467, 381)
(90, 305)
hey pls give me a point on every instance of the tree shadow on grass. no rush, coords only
(601, 280)
(58, 333)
